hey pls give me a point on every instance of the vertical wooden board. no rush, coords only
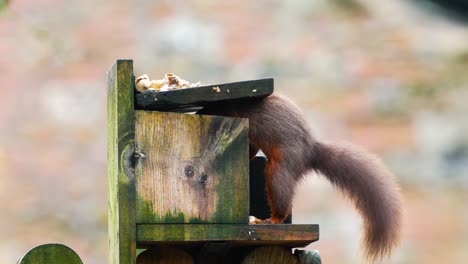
(50, 254)
(192, 168)
(121, 129)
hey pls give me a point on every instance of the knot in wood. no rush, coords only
(189, 171)
(203, 178)
(128, 160)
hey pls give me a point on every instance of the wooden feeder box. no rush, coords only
(180, 181)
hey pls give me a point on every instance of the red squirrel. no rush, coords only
(278, 128)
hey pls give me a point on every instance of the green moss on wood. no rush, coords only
(122, 245)
(216, 151)
(50, 254)
(286, 235)
(234, 200)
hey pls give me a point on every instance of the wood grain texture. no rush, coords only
(50, 254)
(165, 255)
(239, 235)
(199, 96)
(271, 255)
(192, 168)
(121, 128)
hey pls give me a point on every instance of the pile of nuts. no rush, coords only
(169, 82)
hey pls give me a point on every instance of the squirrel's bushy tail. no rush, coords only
(372, 188)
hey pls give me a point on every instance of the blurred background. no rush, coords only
(391, 76)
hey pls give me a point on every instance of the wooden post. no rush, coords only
(121, 130)
(50, 254)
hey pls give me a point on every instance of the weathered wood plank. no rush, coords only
(50, 254)
(271, 255)
(193, 168)
(165, 255)
(242, 235)
(199, 96)
(121, 128)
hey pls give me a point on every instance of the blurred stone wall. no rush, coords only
(390, 76)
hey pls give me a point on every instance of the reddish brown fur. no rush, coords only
(278, 128)
(272, 181)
